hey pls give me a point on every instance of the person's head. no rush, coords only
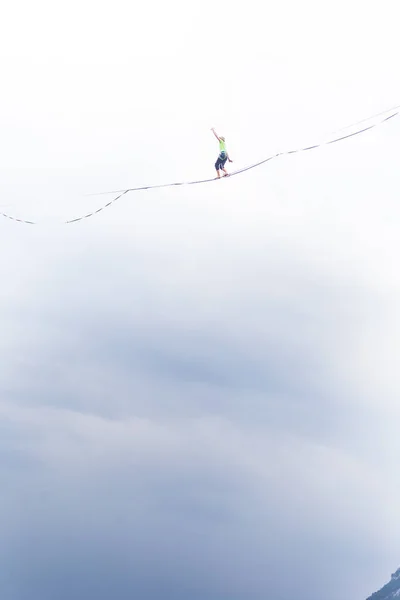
(222, 138)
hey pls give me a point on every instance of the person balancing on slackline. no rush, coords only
(223, 155)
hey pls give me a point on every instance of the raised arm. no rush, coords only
(215, 133)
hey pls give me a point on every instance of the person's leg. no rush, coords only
(217, 167)
(223, 166)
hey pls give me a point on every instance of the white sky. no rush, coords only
(100, 96)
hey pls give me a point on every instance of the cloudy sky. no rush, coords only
(198, 386)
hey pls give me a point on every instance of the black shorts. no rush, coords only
(221, 160)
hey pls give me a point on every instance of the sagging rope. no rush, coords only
(253, 166)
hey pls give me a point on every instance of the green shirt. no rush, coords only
(222, 146)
